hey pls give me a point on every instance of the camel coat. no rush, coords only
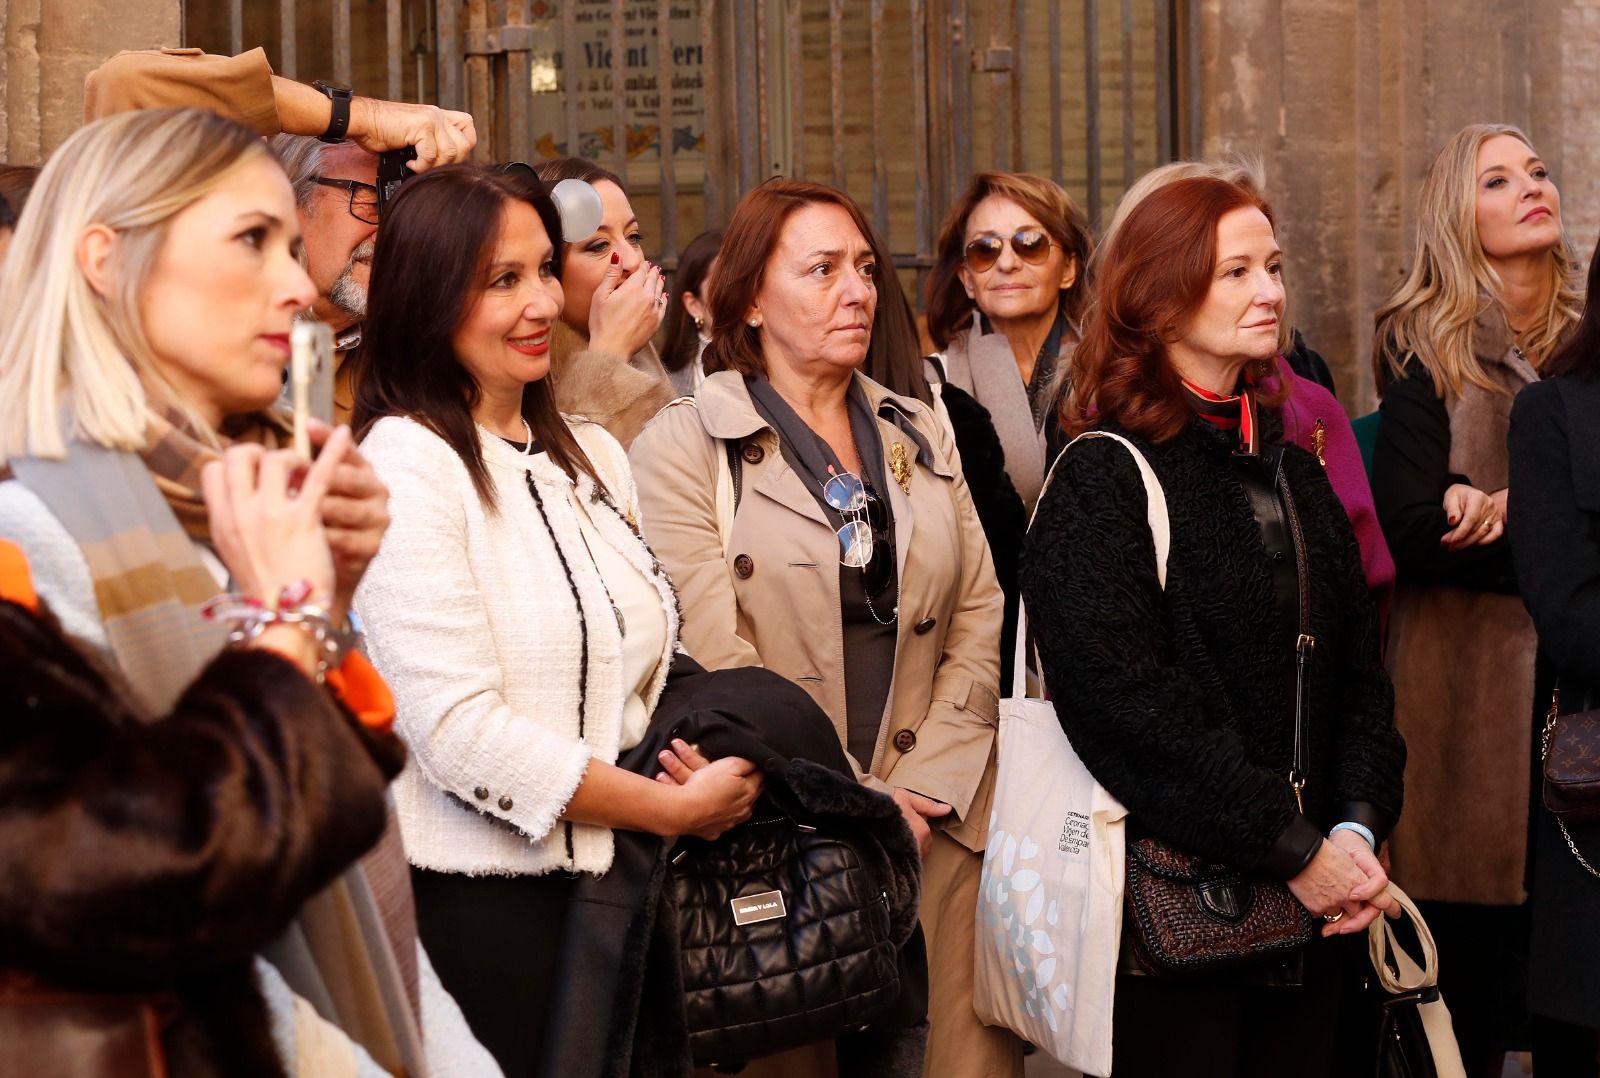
(772, 597)
(1462, 660)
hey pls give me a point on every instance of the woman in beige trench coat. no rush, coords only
(902, 654)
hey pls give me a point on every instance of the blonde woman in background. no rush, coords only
(1491, 290)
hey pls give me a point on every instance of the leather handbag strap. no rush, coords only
(1407, 975)
(1305, 645)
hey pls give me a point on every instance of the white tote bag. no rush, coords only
(1050, 898)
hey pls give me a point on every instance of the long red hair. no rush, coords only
(1152, 279)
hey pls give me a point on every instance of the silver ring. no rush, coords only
(1333, 918)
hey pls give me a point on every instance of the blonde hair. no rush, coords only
(1432, 313)
(66, 347)
(1241, 170)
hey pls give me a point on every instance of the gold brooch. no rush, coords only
(1319, 438)
(900, 466)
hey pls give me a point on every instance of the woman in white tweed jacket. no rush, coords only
(521, 622)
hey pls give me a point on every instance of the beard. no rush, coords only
(348, 294)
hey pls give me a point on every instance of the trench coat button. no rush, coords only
(505, 804)
(905, 740)
(743, 566)
(481, 793)
(1278, 556)
(753, 453)
(926, 626)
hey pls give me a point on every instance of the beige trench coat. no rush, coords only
(772, 597)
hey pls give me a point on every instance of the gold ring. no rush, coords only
(1333, 918)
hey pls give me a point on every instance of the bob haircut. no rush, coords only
(1153, 277)
(949, 306)
(62, 344)
(747, 244)
(428, 274)
(682, 340)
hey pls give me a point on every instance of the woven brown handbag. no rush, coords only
(1187, 916)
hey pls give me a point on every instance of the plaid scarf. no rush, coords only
(351, 951)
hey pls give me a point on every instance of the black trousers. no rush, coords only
(494, 943)
(1202, 1028)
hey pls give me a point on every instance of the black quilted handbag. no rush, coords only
(785, 938)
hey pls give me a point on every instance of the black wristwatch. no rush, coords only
(339, 120)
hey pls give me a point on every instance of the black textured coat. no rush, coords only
(1179, 702)
(160, 857)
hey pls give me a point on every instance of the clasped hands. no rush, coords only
(1346, 882)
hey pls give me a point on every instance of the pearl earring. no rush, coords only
(754, 322)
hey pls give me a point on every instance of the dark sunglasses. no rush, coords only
(1032, 245)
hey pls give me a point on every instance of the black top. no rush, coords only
(1309, 364)
(1410, 473)
(869, 643)
(1177, 700)
(1554, 525)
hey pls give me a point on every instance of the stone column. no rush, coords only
(49, 46)
(1347, 101)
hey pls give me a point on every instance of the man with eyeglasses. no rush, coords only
(327, 139)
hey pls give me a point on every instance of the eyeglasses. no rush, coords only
(865, 524)
(363, 198)
(1030, 244)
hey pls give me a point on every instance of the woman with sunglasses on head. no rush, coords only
(603, 359)
(843, 552)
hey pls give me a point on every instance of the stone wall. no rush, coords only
(48, 48)
(1347, 101)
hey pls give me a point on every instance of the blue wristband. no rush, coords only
(1359, 829)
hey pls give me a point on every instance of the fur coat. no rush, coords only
(158, 858)
(1461, 652)
(621, 395)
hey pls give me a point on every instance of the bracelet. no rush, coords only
(248, 618)
(1360, 829)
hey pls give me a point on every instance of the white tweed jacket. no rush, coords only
(473, 618)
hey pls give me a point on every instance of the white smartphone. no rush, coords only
(310, 379)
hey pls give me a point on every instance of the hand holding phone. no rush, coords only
(310, 379)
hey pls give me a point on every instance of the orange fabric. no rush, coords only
(363, 690)
(16, 582)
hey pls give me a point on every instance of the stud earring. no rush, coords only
(754, 322)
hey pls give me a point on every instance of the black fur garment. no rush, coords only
(1179, 703)
(159, 857)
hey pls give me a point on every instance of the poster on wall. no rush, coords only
(590, 74)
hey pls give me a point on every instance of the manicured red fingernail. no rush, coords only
(1451, 519)
(615, 258)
